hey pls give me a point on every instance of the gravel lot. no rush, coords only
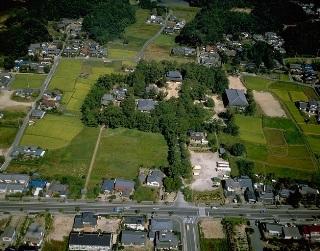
(269, 104)
(236, 83)
(6, 101)
(212, 229)
(207, 160)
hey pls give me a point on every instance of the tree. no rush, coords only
(238, 149)
(245, 167)
(172, 184)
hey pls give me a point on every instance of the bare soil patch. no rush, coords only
(208, 163)
(269, 104)
(62, 226)
(218, 105)
(212, 229)
(7, 102)
(236, 83)
(3, 151)
(172, 89)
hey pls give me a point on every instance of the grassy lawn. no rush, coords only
(256, 83)
(53, 131)
(135, 35)
(7, 135)
(250, 129)
(214, 244)
(145, 194)
(70, 162)
(184, 12)
(28, 80)
(123, 151)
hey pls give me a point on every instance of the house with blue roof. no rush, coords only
(37, 183)
(107, 186)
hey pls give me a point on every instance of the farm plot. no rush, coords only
(28, 80)
(250, 129)
(122, 152)
(256, 83)
(274, 137)
(52, 132)
(269, 105)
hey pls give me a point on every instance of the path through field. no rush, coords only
(92, 161)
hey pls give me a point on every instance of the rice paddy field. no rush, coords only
(28, 80)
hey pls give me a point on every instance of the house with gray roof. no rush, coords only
(16, 188)
(9, 235)
(236, 98)
(183, 51)
(146, 105)
(56, 189)
(90, 241)
(107, 99)
(166, 241)
(124, 187)
(107, 186)
(27, 152)
(272, 229)
(133, 238)
(174, 76)
(86, 222)
(5, 79)
(37, 114)
(160, 225)
(34, 235)
(14, 178)
(267, 198)
(245, 183)
(155, 178)
(134, 222)
(291, 233)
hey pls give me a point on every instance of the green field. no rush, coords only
(123, 151)
(69, 163)
(250, 129)
(256, 83)
(7, 135)
(274, 137)
(53, 131)
(28, 80)
(143, 193)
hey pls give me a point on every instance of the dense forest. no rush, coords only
(216, 17)
(103, 19)
(173, 118)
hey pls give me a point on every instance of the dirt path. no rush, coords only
(6, 101)
(218, 105)
(93, 160)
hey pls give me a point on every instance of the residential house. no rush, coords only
(291, 233)
(37, 114)
(34, 235)
(12, 178)
(15, 188)
(249, 196)
(90, 241)
(119, 94)
(134, 222)
(37, 185)
(28, 152)
(107, 186)
(85, 222)
(9, 235)
(56, 189)
(124, 187)
(155, 178)
(5, 79)
(183, 51)
(245, 183)
(210, 59)
(311, 232)
(25, 93)
(236, 98)
(107, 99)
(155, 20)
(198, 138)
(272, 229)
(133, 238)
(146, 105)
(267, 198)
(231, 186)
(166, 241)
(302, 106)
(159, 225)
(174, 76)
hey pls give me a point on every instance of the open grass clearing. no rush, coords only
(7, 135)
(250, 129)
(256, 83)
(122, 152)
(215, 196)
(298, 96)
(143, 193)
(28, 80)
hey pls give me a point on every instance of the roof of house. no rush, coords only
(107, 185)
(34, 232)
(86, 218)
(134, 220)
(174, 75)
(273, 227)
(38, 183)
(146, 104)
(308, 190)
(249, 195)
(197, 135)
(231, 183)
(125, 186)
(236, 97)
(161, 224)
(57, 187)
(311, 229)
(16, 187)
(136, 238)
(291, 232)
(245, 182)
(166, 240)
(8, 232)
(37, 113)
(14, 177)
(90, 239)
(155, 175)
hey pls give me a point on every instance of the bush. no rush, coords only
(238, 149)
